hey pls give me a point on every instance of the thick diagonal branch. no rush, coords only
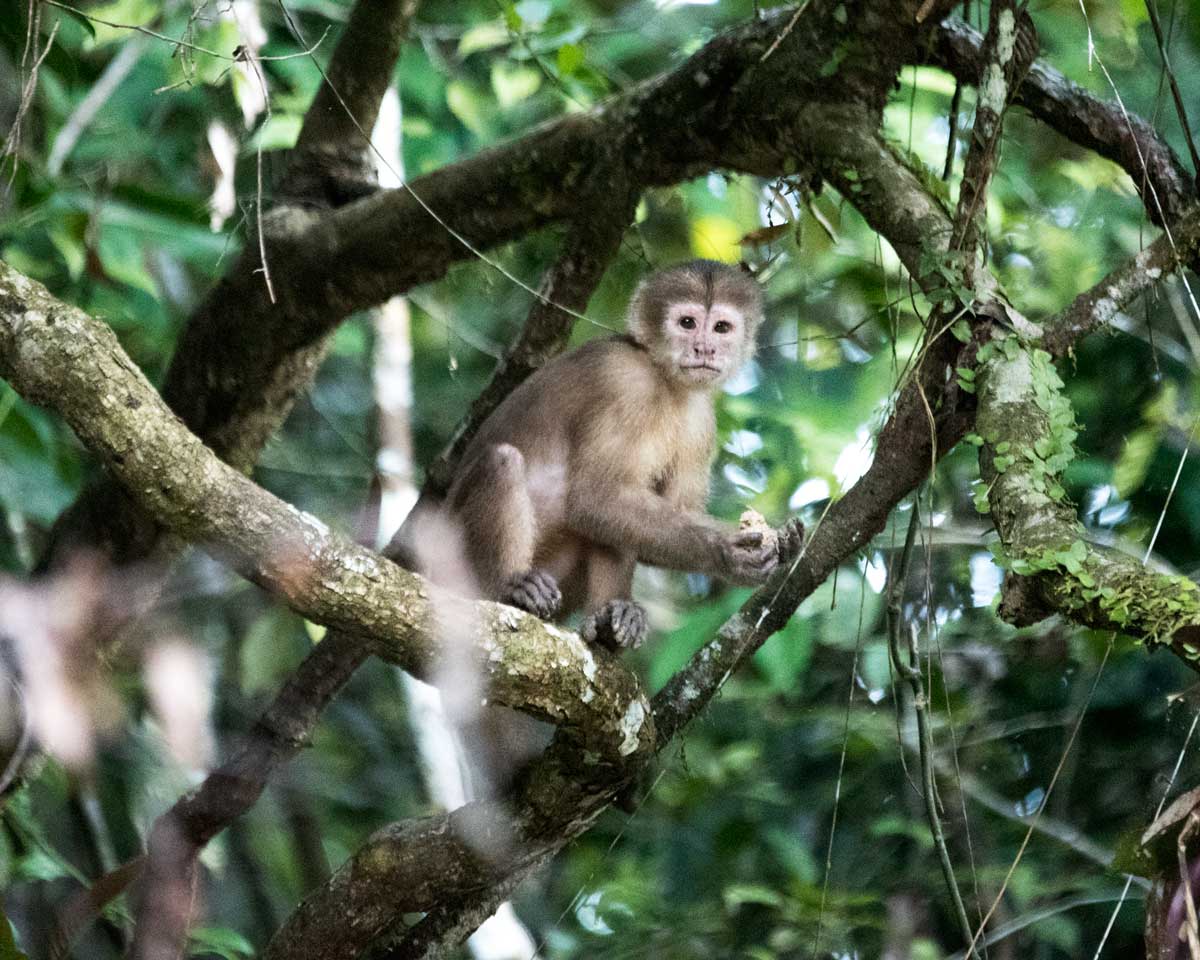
(56, 355)
(242, 359)
(1095, 308)
(229, 791)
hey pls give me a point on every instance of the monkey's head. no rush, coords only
(697, 320)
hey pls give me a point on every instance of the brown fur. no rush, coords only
(601, 459)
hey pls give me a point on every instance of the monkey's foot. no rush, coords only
(535, 592)
(618, 625)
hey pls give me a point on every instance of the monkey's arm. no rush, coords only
(640, 521)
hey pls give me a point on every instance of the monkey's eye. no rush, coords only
(688, 322)
(722, 326)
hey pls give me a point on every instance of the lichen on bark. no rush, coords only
(1026, 433)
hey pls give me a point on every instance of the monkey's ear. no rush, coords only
(644, 329)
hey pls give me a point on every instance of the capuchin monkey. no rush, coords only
(601, 461)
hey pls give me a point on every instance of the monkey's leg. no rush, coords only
(492, 501)
(614, 620)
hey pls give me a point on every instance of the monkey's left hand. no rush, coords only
(776, 547)
(618, 625)
(789, 540)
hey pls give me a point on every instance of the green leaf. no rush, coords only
(513, 83)
(512, 19)
(87, 25)
(485, 36)
(569, 58)
(279, 132)
(740, 893)
(1131, 467)
(8, 941)
(467, 105)
(897, 826)
(534, 12)
(222, 941)
(38, 864)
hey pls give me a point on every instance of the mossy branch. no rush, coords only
(1026, 433)
(56, 355)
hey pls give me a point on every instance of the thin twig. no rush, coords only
(955, 102)
(952, 142)
(174, 41)
(1037, 815)
(12, 143)
(238, 55)
(785, 31)
(81, 117)
(17, 759)
(837, 790)
(1191, 927)
(911, 671)
(1179, 107)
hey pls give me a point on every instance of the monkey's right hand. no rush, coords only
(747, 557)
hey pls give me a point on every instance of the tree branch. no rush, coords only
(1082, 118)
(1007, 51)
(56, 355)
(1026, 430)
(593, 241)
(331, 162)
(1096, 307)
(163, 902)
(243, 360)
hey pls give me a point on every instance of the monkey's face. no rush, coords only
(703, 346)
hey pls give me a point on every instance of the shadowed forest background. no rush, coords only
(788, 820)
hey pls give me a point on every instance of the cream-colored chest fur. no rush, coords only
(660, 439)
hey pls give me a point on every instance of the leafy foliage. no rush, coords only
(786, 823)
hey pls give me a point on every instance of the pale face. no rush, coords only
(704, 345)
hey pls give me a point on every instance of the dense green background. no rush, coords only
(727, 856)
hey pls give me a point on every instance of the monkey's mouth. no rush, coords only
(699, 366)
